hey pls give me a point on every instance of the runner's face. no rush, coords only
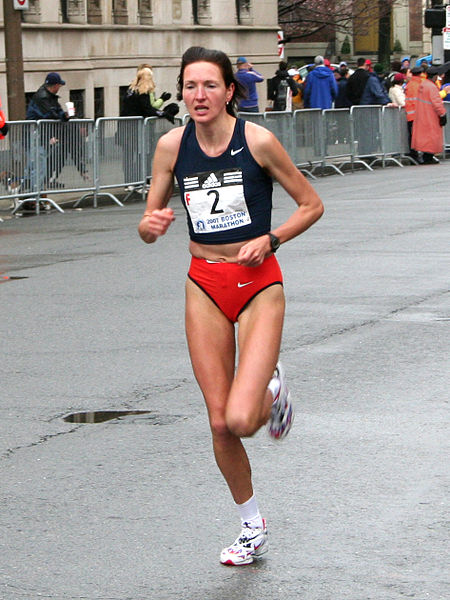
(204, 91)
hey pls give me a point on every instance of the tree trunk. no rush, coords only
(384, 33)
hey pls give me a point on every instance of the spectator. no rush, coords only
(379, 71)
(374, 92)
(429, 119)
(141, 101)
(405, 63)
(320, 88)
(60, 141)
(357, 81)
(281, 89)
(297, 98)
(396, 93)
(411, 90)
(368, 65)
(396, 67)
(342, 99)
(445, 85)
(3, 124)
(248, 78)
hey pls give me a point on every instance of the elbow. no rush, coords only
(320, 210)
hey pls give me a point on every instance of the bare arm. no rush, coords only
(271, 155)
(157, 217)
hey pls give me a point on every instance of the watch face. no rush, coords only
(274, 242)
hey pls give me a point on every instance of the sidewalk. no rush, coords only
(356, 498)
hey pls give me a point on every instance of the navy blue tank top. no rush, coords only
(228, 198)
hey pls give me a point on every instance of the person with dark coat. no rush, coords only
(357, 82)
(374, 92)
(44, 105)
(140, 99)
(281, 89)
(342, 99)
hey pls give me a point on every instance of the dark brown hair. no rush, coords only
(219, 58)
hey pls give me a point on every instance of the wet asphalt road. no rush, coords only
(356, 498)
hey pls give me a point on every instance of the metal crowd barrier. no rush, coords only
(18, 155)
(42, 159)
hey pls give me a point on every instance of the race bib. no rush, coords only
(215, 201)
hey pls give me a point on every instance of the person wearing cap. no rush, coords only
(248, 77)
(320, 88)
(405, 62)
(342, 77)
(44, 104)
(430, 117)
(396, 93)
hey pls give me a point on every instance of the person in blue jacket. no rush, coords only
(248, 78)
(320, 88)
(374, 93)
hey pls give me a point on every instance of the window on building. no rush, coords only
(64, 11)
(242, 11)
(201, 12)
(145, 12)
(94, 11)
(77, 97)
(99, 102)
(120, 12)
(122, 93)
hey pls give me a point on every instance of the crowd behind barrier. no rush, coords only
(41, 159)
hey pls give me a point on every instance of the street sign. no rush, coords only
(21, 5)
(447, 16)
(446, 38)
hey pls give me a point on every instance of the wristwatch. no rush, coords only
(274, 242)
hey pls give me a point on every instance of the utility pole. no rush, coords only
(14, 61)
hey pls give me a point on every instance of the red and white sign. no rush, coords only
(280, 37)
(21, 5)
(446, 38)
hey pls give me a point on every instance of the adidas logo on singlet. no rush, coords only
(211, 182)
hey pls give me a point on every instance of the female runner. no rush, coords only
(224, 167)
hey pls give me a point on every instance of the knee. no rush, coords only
(241, 424)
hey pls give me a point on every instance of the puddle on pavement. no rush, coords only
(100, 416)
(4, 278)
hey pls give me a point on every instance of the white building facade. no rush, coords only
(96, 45)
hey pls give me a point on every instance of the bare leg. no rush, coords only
(260, 329)
(237, 406)
(211, 341)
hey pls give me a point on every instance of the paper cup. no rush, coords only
(70, 109)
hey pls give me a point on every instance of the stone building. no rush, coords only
(97, 44)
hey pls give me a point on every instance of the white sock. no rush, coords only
(250, 514)
(274, 386)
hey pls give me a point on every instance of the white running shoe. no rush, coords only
(250, 544)
(282, 415)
